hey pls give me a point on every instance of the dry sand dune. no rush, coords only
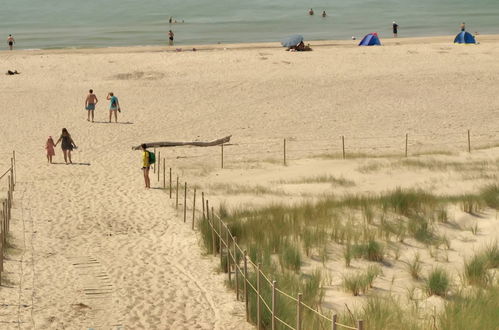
(91, 228)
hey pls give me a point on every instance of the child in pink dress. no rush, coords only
(49, 146)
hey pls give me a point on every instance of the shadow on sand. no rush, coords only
(119, 123)
(84, 164)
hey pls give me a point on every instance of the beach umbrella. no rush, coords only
(293, 40)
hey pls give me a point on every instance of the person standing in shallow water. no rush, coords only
(11, 41)
(463, 26)
(146, 165)
(395, 29)
(67, 145)
(311, 12)
(171, 35)
(90, 103)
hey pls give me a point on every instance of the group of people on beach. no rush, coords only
(67, 145)
(91, 101)
(312, 13)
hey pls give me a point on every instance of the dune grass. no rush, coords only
(415, 266)
(476, 269)
(325, 178)
(438, 282)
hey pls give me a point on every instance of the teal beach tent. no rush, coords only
(464, 37)
(370, 40)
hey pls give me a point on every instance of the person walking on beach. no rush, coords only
(311, 12)
(67, 145)
(395, 27)
(49, 146)
(170, 37)
(90, 103)
(463, 26)
(146, 165)
(114, 106)
(11, 41)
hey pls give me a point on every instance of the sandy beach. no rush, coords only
(94, 249)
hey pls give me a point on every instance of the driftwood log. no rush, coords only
(179, 144)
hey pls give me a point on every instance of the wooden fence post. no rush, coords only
(284, 151)
(15, 172)
(193, 208)
(258, 303)
(176, 195)
(343, 145)
(406, 138)
(298, 312)
(202, 201)
(159, 163)
(164, 174)
(469, 141)
(246, 302)
(274, 284)
(236, 266)
(360, 325)
(220, 239)
(227, 236)
(170, 183)
(154, 165)
(335, 319)
(222, 155)
(185, 201)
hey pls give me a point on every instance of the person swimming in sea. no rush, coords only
(311, 12)
(324, 13)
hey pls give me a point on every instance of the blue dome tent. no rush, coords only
(465, 37)
(370, 40)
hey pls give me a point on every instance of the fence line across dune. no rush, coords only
(6, 211)
(235, 261)
(286, 149)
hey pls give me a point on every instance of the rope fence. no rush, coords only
(343, 147)
(251, 285)
(6, 212)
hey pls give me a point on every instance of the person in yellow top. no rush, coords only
(146, 166)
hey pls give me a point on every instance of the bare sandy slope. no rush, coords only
(91, 227)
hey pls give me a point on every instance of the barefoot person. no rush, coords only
(67, 145)
(395, 28)
(114, 106)
(146, 165)
(90, 103)
(11, 41)
(171, 35)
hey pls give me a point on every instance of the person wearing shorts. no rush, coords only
(90, 103)
(114, 106)
(11, 41)
(171, 35)
(145, 165)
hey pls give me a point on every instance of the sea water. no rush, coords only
(104, 23)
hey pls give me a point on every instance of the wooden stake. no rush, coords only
(154, 165)
(406, 138)
(284, 151)
(185, 201)
(274, 283)
(298, 312)
(202, 201)
(159, 163)
(222, 156)
(164, 174)
(193, 208)
(236, 266)
(246, 302)
(258, 303)
(220, 247)
(360, 325)
(469, 141)
(176, 195)
(343, 145)
(335, 319)
(228, 253)
(170, 183)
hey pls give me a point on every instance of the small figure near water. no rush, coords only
(146, 165)
(463, 26)
(395, 29)
(114, 106)
(90, 103)
(311, 12)
(324, 13)
(67, 145)
(170, 20)
(171, 35)
(11, 41)
(49, 146)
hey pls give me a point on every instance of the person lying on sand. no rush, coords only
(300, 48)
(10, 73)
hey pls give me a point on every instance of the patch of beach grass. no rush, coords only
(438, 282)
(325, 178)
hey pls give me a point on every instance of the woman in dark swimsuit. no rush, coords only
(67, 145)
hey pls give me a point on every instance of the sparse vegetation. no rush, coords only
(438, 282)
(415, 266)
